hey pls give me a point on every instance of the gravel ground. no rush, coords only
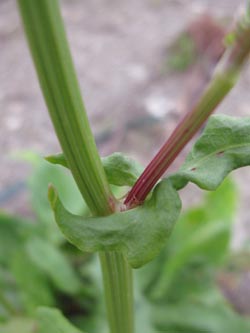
(119, 48)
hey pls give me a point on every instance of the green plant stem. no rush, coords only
(48, 44)
(117, 279)
(49, 47)
(222, 82)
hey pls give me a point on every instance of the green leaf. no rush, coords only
(223, 147)
(120, 169)
(212, 217)
(57, 159)
(196, 317)
(52, 321)
(140, 233)
(13, 232)
(33, 284)
(202, 235)
(53, 263)
(43, 174)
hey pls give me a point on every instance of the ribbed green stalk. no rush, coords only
(117, 279)
(45, 32)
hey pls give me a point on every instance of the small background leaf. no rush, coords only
(121, 170)
(13, 232)
(52, 321)
(201, 237)
(54, 264)
(33, 286)
(45, 173)
(197, 318)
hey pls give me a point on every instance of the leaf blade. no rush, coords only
(139, 233)
(54, 264)
(51, 320)
(223, 147)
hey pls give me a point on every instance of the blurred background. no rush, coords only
(141, 64)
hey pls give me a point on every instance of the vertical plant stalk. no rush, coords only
(117, 278)
(49, 47)
(223, 80)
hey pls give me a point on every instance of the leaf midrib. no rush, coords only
(201, 160)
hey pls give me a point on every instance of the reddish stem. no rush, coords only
(184, 131)
(221, 83)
